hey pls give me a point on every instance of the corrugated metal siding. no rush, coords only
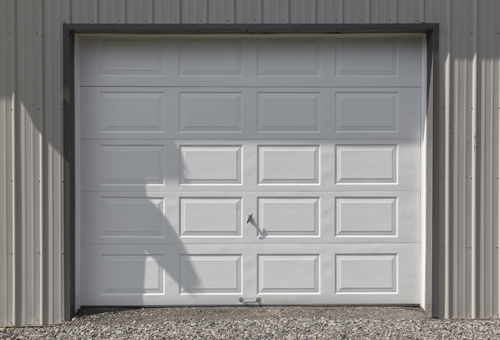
(32, 259)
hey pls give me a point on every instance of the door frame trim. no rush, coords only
(435, 136)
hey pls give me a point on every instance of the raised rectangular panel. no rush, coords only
(131, 112)
(288, 274)
(294, 164)
(132, 274)
(210, 216)
(366, 163)
(288, 58)
(368, 112)
(288, 112)
(131, 57)
(366, 216)
(289, 216)
(210, 274)
(210, 164)
(132, 217)
(210, 57)
(212, 112)
(370, 273)
(132, 164)
(367, 57)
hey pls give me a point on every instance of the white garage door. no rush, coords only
(317, 138)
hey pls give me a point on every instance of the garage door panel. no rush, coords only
(291, 112)
(136, 113)
(210, 57)
(289, 216)
(126, 112)
(378, 62)
(211, 165)
(143, 166)
(214, 168)
(119, 61)
(350, 274)
(215, 111)
(380, 165)
(125, 165)
(377, 273)
(210, 217)
(219, 217)
(164, 274)
(297, 57)
(263, 61)
(288, 274)
(210, 274)
(377, 217)
(111, 217)
(289, 164)
(132, 275)
(382, 113)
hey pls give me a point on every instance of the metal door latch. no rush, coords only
(242, 300)
(249, 218)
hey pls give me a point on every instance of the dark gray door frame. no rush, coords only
(435, 122)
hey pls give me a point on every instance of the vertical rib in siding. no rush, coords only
(221, 11)
(167, 11)
(464, 86)
(487, 292)
(302, 11)
(484, 165)
(194, 11)
(112, 11)
(410, 11)
(251, 12)
(275, 12)
(330, 11)
(139, 11)
(85, 11)
(440, 11)
(3, 169)
(495, 146)
(57, 12)
(7, 38)
(383, 11)
(356, 11)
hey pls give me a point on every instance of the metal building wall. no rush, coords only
(33, 284)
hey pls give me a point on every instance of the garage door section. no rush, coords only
(214, 169)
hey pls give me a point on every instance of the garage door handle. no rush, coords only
(257, 300)
(249, 218)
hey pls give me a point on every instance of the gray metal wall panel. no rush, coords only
(487, 245)
(356, 11)
(167, 11)
(139, 11)
(7, 43)
(112, 11)
(221, 11)
(410, 11)
(382, 11)
(330, 12)
(273, 12)
(31, 206)
(302, 11)
(195, 11)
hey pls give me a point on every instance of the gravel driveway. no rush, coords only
(258, 323)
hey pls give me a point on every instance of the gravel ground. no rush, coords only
(258, 323)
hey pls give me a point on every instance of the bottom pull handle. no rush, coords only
(257, 300)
